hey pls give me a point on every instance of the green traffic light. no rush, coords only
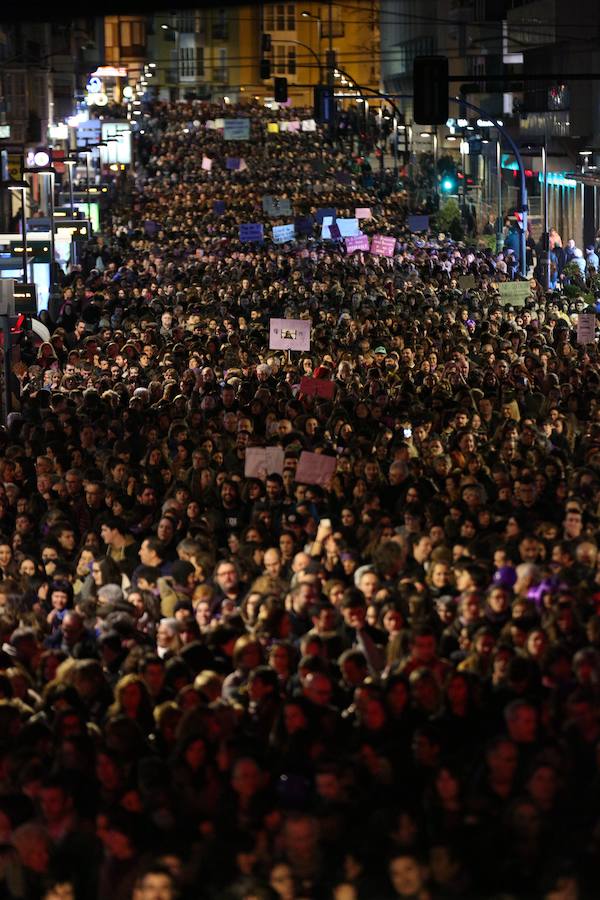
(447, 184)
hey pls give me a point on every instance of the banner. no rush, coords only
(206, 163)
(360, 242)
(381, 245)
(251, 231)
(315, 468)
(283, 233)
(289, 334)
(236, 129)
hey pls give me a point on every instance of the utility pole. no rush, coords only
(330, 74)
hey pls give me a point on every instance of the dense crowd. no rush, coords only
(237, 687)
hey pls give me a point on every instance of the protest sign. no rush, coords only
(317, 387)
(251, 231)
(514, 293)
(362, 212)
(466, 282)
(586, 328)
(218, 124)
(359, 242)
(283, 233)
(381, 245)
(289, 334)
(309, 125)
(262, 461)
(293, 125)
(206, 163)
(278, 207)
(324, 213)
(347, 227)
(235, 164)
(273, 127)
(417, 223)
(219, 207)
(236, 129)
(334, 232)
(315, 468)
(304, 225)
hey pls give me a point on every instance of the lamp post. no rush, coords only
(330, 57)
(50, 172)
(22, 186)
(71, 163)
(87, 153)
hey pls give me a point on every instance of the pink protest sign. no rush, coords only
(315, 468)
(382, 245)
(362, 212)
(263, 461)
(206, 163)
(289, 334)
(317, 387)
(357, 243)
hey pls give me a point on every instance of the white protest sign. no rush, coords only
(348, 227)
(206, 163)
(586, 328)
(309, 125)
(262, 461)
(514, 293)
(283, 233)
(289, 334)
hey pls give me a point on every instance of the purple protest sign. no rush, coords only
(251, 231)
(219, 207)
(357, 243)
(334, 232)
(381, 245)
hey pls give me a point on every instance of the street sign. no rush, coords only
(25, 299)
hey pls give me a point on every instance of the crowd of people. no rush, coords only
(238, 686)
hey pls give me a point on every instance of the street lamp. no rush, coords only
(71, 163)
(306, 14)
(51, 173)
(23, 186)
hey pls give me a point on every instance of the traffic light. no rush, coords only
(323, 103)
(265, 44)
(265, 69)
(448, 176)
(430, 90)
(280, 90)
